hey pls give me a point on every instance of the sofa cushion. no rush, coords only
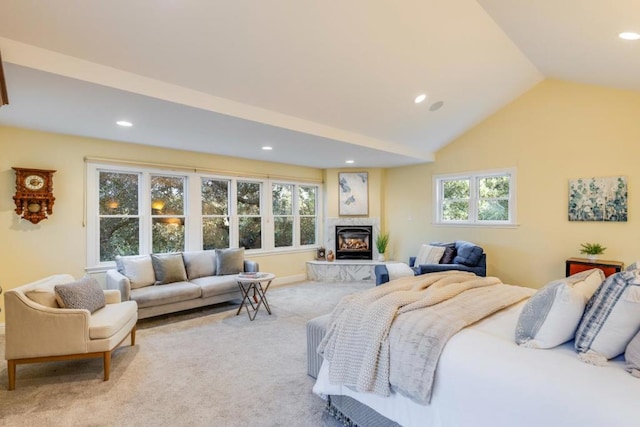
(110, 319)
(229, 261)
(137, 268)
(168, 268)
(551, 316)
(150, 296)
(216, 285)
(429, 254)
(467, 254)
(200, 263)
(611, 318)
(85, 293)
(43, 292)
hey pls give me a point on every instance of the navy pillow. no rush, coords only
(467, 254)
(449, 252)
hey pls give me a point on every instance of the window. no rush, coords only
(136, 210)
(481, 198)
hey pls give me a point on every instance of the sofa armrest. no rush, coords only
(112, 296)
(34, 330)
(120, 282)
(251, 266)
(382, 274)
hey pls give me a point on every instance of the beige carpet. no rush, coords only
(206, 367)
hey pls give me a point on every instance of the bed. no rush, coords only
(484, 378)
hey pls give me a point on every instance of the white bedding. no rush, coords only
(485, 379)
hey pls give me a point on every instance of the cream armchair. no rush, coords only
(37, 330)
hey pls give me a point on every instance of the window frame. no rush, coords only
(474, 198)
(193, 216)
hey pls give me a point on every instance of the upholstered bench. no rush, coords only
(316, 328)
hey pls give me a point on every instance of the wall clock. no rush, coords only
(34, 194)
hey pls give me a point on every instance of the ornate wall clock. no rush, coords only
(34, 194)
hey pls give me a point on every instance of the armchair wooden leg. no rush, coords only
(11, 371)
(107, 365)
(133, 336)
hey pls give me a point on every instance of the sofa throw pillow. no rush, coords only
(168, 268)
(550, 317)
(85, 293)
(429, 254)
(200, 263)
(137, 268)
(449, 255)
(632, 356)
(611, 318)
(467, 253)
(229, 261)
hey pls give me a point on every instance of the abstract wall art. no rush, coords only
(353, 193)
(598, 199)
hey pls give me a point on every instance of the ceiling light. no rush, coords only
(629, 36)
(436, 106)
(267, 148)
(420, 98)
(349, 162)
(124, 123)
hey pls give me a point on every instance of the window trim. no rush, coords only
(193, 217)
(474, 177)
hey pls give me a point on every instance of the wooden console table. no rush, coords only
(576, 265)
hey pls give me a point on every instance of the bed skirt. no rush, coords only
(352, 413)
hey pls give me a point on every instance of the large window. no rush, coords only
(480, 198)
(141, 210)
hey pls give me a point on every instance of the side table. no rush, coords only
(256, 282)
(576, 265)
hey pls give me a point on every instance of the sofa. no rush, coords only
(60, 318)
(167, 283)
(459, 255)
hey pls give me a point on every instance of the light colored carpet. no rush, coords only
(206, 367)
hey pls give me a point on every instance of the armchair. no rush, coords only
(37, 330)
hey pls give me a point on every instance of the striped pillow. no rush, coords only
(429, 255)
(611, 319)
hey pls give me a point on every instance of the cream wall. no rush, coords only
(555, 132)
(58, 244)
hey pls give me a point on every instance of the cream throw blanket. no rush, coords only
(369, 354)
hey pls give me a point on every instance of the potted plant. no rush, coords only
(592, 250)
(382, 240)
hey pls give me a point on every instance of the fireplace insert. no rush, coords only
(353, 242)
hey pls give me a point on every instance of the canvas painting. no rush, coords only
(354, 193)
(598, 199)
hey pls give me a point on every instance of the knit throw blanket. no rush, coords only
(392, 336)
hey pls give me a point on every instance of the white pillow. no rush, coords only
(552, 314)
(632, 356)
(138, 269)
(611, 318)
(429, 255)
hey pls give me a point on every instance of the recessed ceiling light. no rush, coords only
(124, 123)
(420, 98)
(436, 106)
(627, 35)
(267, 148)
(349, 162)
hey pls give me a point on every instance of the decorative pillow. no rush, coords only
(44, 296)
(229, 261)
(449, 252)
(169, 268)
(200, 263)
(467, 253)
(429, 254)
(138, 269)
(611, 318)
(85, 293)
(632, 356)
(633, 266)
(550, 317)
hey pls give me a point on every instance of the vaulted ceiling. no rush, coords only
(319, 82)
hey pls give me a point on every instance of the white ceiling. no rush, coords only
(321, 82)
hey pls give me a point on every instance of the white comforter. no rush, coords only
(485, 379)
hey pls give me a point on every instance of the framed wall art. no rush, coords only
(353, 193)
(598, 199)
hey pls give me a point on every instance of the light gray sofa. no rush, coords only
(166, 283)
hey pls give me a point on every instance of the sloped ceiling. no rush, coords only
(320, 82)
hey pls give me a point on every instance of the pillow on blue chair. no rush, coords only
(467, 254)
(449, 252)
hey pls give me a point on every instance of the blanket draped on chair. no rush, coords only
(392, 335)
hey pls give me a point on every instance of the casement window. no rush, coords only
(138, 210)
(478, 198)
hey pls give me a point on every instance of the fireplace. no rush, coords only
(353, 242)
